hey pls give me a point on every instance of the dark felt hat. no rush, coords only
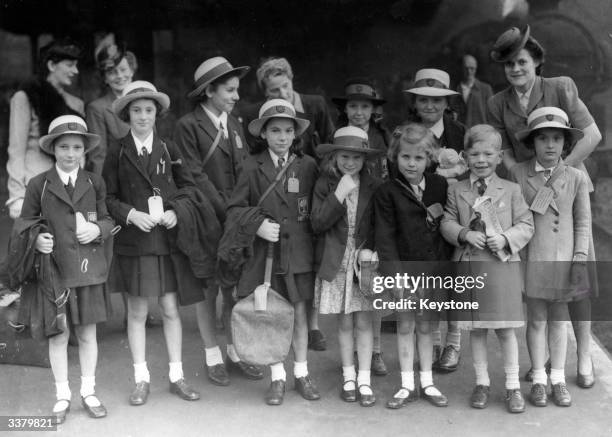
(60, 49)
(359, 89)
(509, 44)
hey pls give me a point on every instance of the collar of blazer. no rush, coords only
(211, 130)
(512, 100)
(407, 190)
(56, 186)
(535, 181)
(266, 166)
(495, 190)
(129, 151)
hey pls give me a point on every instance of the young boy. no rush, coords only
(500, 306)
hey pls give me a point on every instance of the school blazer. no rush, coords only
(79, 264)
(329, 218)
(513, 213)
(294, 252)
(129, 185)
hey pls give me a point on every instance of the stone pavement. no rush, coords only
(239, 410)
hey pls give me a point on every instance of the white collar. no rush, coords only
(220, 120)
(420, 185)
(539, 168)
(474, 178)
(438, 128)
(527, 93)
(147, 143)
(275, 157)
(65, 177)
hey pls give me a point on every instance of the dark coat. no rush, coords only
(79, 264)
(329, 217)
(294, 252)
(130, 185)
(453, 134)
(474, 111)
(194, 135)
(401, 229)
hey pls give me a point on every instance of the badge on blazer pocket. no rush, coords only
(303, 205)
(92, 217)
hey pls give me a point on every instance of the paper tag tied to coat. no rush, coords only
(92, 216)
(303, 205)
(542, 200)
(293, 184)
(156, 207)
(237, 140)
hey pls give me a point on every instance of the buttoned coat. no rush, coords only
(79, 264)
(194, 135)
(562, 233)
(474, 111)
(129, 185)
(101, 120)
(329, 218)
(294, 252)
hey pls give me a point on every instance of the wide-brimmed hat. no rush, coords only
(549, 117)
(211, 70)
(140, 89)
(68, 125)
(349, 138)
(277, 108)
(359, 89)
(509, 44)
(431, 82)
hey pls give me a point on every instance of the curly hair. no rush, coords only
(271, 67)
(414, 134)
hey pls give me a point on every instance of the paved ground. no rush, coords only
(239, 410)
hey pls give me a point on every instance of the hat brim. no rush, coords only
(256, 125)
(238, 71)
(431, 92)
(46, 142)
(576, 134)
(341, 101)
(497, 57)
(122, 102)
(325, 148)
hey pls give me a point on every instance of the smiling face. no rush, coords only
(223, 96)
(279, 133)
(359, 112)
(68, 150)
(483, 157)
(119, 77)
(63, 72)
(142, 114)
(430, 109)
(279, 87)
(521, 70)
(548, 144)
(349, 163)
(412, 161)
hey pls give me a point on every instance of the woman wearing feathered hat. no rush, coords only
(60, 195)
(522, 58)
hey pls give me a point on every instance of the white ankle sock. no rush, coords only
(482, 374)
(539, 376)
(141, 373)
(231, 353)
(557, 376)
(88, 384)
(512, 377)
(300, 370)
(277, 372)
(62, 391)
(363, 379)
(408, 380)
(213, 356)
(176, 371)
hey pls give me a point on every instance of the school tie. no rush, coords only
(547, 173)
(481, 186)
(222, 130)
(281, 164)
(69, 187)
(144, 157)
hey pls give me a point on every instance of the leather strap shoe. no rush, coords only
(514, 401)
(96, 412)
(560, 396)
(306, 388)
(140, 393)
(316, 340)
(480, 397)
(60, 416)
(217, 374)
(437, 400)
(366, 400)
(348, 395)
(249, 371)
(276, 392)
(399, 400)
(378, 365)
(449, 360)
(537, 395)
(183, 390)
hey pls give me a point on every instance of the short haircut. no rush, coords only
(124, 115)
(413, 134)
(482, 133)
(273, 67)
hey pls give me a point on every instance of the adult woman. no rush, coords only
(33, 107)
(523, 58)
(117, 68)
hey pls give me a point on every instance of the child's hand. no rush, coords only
(142, 221)
(44, 242)
(476, 239)
(169, 219)
(578, 274)
(345, 186)
(88, 232)
(496, 243)
(269, 231)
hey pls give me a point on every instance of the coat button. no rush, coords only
(556, 222)
(284, 219)
(286, 235)
(555, 230)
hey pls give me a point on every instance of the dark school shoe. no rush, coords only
(514, 401)
(276, 392)
(305, 387)
(184, 390)
(480, 396)
(140, 394)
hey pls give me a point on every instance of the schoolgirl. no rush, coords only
(343, 215)
(72, 201)
(407, 230)
(282, 218)
(142, 171)
(557, 253)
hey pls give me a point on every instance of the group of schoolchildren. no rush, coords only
(326, 214)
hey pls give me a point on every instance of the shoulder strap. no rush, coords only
(178, 161)
(278, 177)
(213, 147)
(555, 175)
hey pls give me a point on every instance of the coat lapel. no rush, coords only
(495, 189)
(56, 186)
(129, 151)
(266, 166)
(537, 94)
(157, 153)
(211, 130)
(513, 103)
(81, 186)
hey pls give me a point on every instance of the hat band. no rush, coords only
(278, 110)
(351, 141)
(140, 90)
(547, 118)
(430, 83)
(68, 127)
(360, 89)
(213, 73)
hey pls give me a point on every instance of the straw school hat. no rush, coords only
(359, 89)
(349, 138)
(277, 108)
(548, 117)
(509, 44)
(140, 89)
(211, 70)
(68, 125)
(432, 82)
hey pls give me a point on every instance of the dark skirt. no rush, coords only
(144, 276)
(90, 304)
(294, 287)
